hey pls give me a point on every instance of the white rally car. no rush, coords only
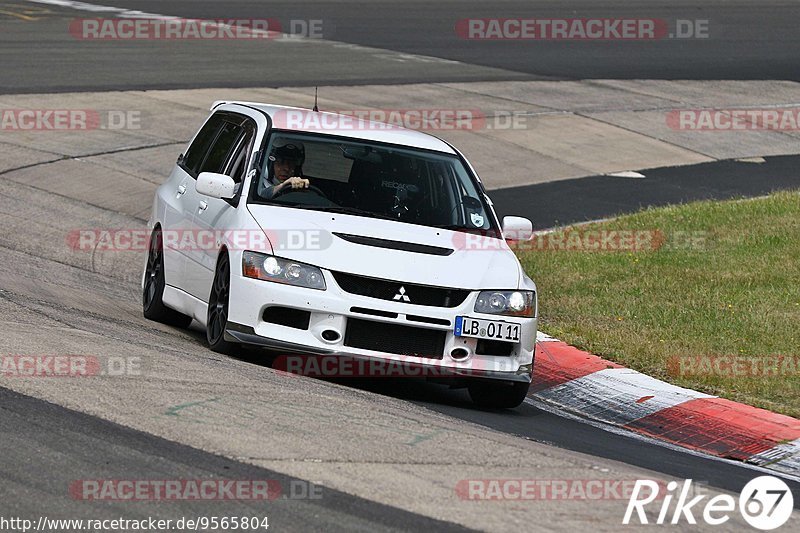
(381, 245)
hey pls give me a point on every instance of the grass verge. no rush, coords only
(704, 295)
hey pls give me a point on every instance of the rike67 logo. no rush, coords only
(765, 503)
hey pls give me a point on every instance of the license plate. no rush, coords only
(486, 329)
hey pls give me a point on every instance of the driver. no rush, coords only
(287, 169)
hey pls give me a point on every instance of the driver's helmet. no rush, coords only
(288, 150)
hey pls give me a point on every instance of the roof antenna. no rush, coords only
(315, 99)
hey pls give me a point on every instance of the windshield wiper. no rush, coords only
(476, 231)
(355, 211)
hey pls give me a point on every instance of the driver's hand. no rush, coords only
(296, 182)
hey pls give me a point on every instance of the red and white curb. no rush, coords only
(588, 386)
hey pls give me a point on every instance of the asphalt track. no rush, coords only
(530, 422)
(104, 450)
(754, 42)
(746, 40)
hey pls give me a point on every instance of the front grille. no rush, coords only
(373, 312)
(428, 320)
(391, 290)
(394, 338)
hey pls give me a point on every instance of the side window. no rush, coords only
(237, 163)
(218, 154)
(197, 151)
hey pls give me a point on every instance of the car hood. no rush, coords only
(310, 237)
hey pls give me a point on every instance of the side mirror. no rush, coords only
(517, 229)
(472, 202)
(215, 185)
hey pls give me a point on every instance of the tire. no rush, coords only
(153, 306)
(218, 307)
(498, 394)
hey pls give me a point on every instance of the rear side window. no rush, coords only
(223, 145)
(196, 153)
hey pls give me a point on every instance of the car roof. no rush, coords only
(336, 124)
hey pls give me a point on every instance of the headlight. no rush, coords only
(271, 268)
(510, 303)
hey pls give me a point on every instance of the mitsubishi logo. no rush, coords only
(401, 295)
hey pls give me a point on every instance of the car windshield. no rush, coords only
(371, 179)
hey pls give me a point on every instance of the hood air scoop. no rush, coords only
(395, 245)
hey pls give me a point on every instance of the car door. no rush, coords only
(214, 215)
(182, 201)
(234, 138)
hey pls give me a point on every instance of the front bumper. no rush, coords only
(331, 309)
(245, 335)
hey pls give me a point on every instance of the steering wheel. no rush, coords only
(310, 188)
